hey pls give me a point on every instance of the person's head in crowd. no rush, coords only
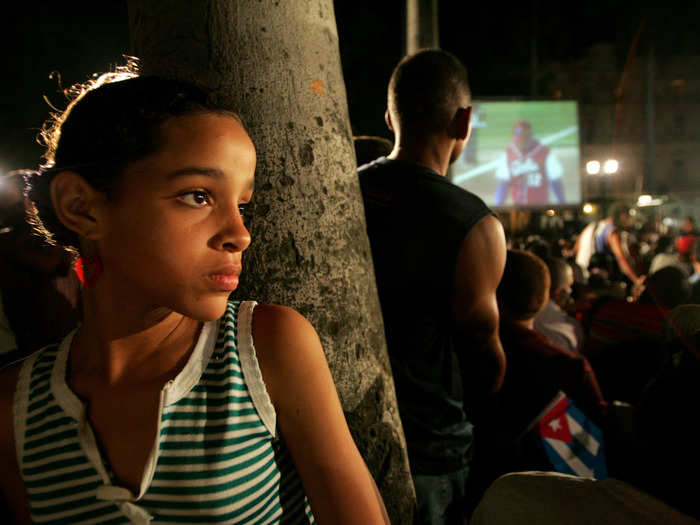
(539, 247)
(369, 148)
(619, 213)
(19, 245)
(561, 281)
(428, 101)
(524, 287)
(667, 288)
(664, 244)
(688, 225)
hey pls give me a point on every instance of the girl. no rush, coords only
(169, 403)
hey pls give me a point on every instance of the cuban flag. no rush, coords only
(573, 444)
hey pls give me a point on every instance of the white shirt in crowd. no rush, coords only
(559, 327)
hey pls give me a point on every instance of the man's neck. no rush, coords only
(431, 152)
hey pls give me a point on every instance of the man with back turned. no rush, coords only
(439, 254)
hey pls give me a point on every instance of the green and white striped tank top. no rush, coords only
(216, 459)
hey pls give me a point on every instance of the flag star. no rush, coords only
(555, 424)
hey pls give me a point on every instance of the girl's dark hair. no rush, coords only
(112, 120)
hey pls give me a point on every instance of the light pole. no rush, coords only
(605, 170)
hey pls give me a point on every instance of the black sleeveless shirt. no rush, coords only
(416, 222)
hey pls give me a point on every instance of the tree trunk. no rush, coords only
(277, 65)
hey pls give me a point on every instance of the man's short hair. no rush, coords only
(524, 287)
(539, 247)
(426, 89)
(558, 272)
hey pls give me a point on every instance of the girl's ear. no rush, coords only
(77, 204)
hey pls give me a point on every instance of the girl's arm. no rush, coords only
(311, 421)
(14, 503)
(618, 252)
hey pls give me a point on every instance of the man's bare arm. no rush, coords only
(479, 269)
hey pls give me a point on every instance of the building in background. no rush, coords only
(645, 115)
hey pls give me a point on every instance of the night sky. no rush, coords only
(493, 41)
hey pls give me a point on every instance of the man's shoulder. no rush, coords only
(379, 165)
(385, 167)
(416, 175)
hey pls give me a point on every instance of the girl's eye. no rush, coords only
(244, 210)
(196, 199)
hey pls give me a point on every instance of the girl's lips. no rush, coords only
(224, 281)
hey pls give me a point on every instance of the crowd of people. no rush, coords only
(629, 308)
(488, 332)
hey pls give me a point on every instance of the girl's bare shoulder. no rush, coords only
(273, 321)
(286, 345)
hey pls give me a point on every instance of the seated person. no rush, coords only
(532, 358)
(553, 322)
(536, 370)
(622, 333)
(625, 339)
(665, 255)
(667, 288)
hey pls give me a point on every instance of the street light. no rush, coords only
(610, 166)
(593, 167)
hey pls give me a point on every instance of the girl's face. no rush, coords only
(175, 230)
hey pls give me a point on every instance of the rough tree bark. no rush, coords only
(277, 64)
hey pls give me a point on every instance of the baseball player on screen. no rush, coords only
(529, 169)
